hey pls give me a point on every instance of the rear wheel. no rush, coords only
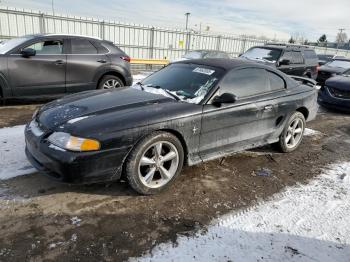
(110, 82)
(292, 134)
(154, 163)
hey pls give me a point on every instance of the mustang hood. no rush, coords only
(74, 108)
(339, 82)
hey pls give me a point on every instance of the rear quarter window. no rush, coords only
(276, 82)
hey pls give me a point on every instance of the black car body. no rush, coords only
(333, 68)
(256, 103)
(291, 59)
(335, 94)
(50, 65)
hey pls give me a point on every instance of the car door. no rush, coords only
(83, 63)
(271, 106)
(235, 126)
(298, 64)
(41, 74)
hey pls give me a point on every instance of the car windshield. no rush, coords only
(265, 54)
(194, 55)
(8, 45)
(186, 82)
(339, 63)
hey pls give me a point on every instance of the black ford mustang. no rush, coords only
(186, 113)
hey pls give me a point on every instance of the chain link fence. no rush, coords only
(138, 41)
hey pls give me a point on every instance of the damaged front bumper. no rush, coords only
(73, 167)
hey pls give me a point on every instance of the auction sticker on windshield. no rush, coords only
(205, 71)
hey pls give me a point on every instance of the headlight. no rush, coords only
(73, 143)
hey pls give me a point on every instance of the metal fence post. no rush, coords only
(151, 43)
(218, 43)
(243, 45)
(151, 47)
(102, 30)
(188, 41)
(42, 26)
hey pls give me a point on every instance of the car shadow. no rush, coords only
(333, 111)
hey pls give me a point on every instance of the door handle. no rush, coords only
(268, 108)
(102, 61)
(59, 62)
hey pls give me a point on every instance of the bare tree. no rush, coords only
(341, 38)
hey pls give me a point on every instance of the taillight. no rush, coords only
(125, 58)
(318, 67)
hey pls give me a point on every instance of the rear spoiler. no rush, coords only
(305, 80)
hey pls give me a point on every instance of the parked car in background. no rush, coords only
(51, 65)
(203, 54)
(188, 112)
(324, 59)
(335, 93)
(291, 59)
(333, 68)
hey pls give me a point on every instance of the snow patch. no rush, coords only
(13, 160)
(139, 77)
(311, 132)
(304, 223)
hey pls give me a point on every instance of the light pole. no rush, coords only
(187, 15)
(53, 9)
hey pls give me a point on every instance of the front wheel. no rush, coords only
(154, 163)
(292, 134)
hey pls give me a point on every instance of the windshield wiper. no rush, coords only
(166, 90)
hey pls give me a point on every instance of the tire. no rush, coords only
(109, 82)
(143, 160)
(287, 145)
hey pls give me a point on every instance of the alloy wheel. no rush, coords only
(294, 133)
(111, 83)
(158, 164)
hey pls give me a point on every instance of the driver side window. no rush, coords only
(48, 47)
(245, 82)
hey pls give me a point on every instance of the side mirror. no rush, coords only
(225, 98)
(28, 52)
(284, 62)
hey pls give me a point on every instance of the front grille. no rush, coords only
(344, 94)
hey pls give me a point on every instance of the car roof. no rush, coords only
(206, 50)
(286, 46)
(33, 36)
(224, 63)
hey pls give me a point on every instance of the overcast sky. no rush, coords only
(271, 18)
